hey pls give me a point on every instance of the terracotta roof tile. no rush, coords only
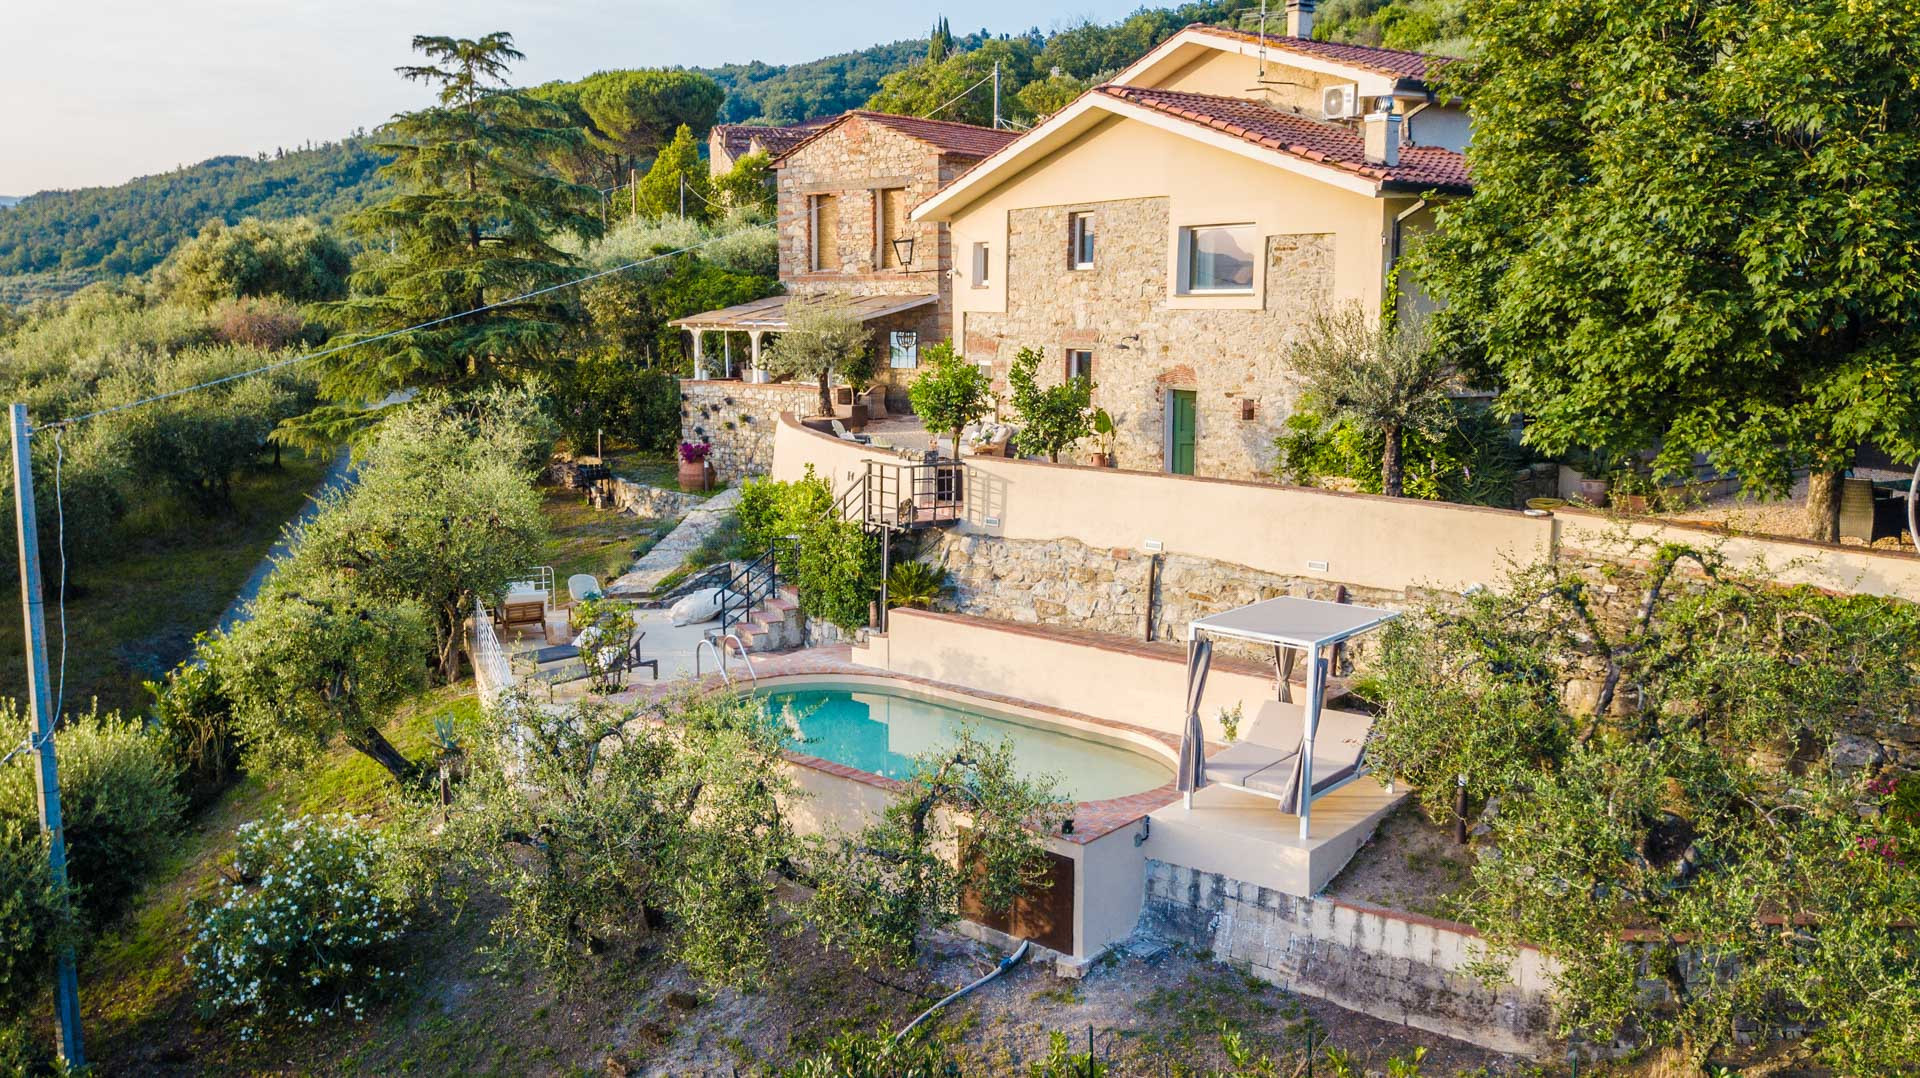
(1420, 168)
(949, 137)
(1396, 62)
(738, 138)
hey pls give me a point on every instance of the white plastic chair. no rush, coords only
(583, 586)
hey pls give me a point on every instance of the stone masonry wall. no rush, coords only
(1391, 965)
(1067, 583)
(1141, 347)
(737, 418)
(855, 162)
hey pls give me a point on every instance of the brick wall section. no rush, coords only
(738, 419)
(1143, 348)
(1395, 966)
(854, 162)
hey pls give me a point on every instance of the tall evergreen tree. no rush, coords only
(677, 177)
(475, 225)
(940, 42)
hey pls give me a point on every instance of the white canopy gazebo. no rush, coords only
(1272, 760)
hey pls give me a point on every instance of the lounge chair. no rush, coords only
(1266, 762)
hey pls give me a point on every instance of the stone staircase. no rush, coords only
(775, 625)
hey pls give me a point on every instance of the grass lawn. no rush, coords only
(172, 573)
(594, 541)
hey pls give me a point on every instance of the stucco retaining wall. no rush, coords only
(1394, 966)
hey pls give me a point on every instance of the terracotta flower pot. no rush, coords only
(1593, 491)
(1097, 460)
(695, 475)
(1630, 503)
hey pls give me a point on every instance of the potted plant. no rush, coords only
(859, 378)
(1103, 429)
(1631, 490)
(1594, 469)
(696, 471)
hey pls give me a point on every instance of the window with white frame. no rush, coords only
(1216, 258)
(1080, 240)
(982, 263)
(1079, 364)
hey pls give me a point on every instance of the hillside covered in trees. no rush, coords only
(56, 241)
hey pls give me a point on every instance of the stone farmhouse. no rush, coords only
(1169, 233)
(728, 143)
(845, 191)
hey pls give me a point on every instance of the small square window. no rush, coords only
(1080, 240)
(981, 265)
(1217, 258)
(1079, 364)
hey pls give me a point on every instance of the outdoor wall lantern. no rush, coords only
(903, 251)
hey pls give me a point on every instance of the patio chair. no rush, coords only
(1266, 762)
(583, 586)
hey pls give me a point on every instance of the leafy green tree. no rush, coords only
(295, 260)
(1708, 245)
(1673, 800)
(1385, 376)
(1053, 417)
(1044, 97)
(321, 657)
(677, 182)
(928, 86)
(950, 392)
(823, 338)
(878, 890)
(443, 514)
(748, 185)
(39, 918)
(598, 825)
(476, 224)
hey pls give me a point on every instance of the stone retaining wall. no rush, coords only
(738, 419)
(1394, 966)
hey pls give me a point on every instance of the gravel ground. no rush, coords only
(1778, 516)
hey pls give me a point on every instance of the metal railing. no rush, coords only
(753, 584)
(741, 648)
(904, 497)
(492, 668)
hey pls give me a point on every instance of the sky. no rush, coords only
(95, 93)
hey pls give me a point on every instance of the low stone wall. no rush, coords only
(1394, 966)
(738, 419)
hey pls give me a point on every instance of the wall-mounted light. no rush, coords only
(903, 251)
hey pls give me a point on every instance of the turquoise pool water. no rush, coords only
(880, 730)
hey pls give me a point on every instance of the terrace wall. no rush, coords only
(739, 419)
(1394, 966)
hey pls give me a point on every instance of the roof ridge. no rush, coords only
(926, 120)
(1333, 50)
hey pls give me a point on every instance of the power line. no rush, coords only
(377, 338)
(963, 93)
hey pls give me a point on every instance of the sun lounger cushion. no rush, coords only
(1268, 761)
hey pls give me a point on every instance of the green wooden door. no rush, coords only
(1180, 455)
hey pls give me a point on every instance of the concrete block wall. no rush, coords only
(1394, 966)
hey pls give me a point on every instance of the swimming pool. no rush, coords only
(880, 729)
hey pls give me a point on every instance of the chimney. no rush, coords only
(1299, 18)
(1380, 130)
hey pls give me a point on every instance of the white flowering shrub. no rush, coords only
(305, 927)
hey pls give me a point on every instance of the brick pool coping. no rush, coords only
(1091, 819)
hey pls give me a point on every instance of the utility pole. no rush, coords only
(66, 988)
(996, 127)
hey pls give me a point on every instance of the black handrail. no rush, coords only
(749, 587)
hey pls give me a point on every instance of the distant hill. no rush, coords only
(7, 201)
(56, 241)
(109, 231)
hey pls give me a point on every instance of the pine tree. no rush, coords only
(475, 225)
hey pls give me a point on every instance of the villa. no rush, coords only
(1168, 234)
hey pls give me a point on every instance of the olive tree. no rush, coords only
(1674, 792)
(443, 513)
(1384, 375)
(319, 658)
(823, 338)
(966, 818)
(599, 825)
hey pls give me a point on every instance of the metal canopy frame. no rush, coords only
(1308, 625)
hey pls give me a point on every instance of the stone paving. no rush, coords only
(670, 553)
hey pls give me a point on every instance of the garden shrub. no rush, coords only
(118, 798)
(1473, 464)
(36, 920)
(305, 928)
(836, 566)
(194, 714)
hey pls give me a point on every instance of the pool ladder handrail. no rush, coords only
(720, 658)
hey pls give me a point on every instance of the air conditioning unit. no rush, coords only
(1341, 102)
